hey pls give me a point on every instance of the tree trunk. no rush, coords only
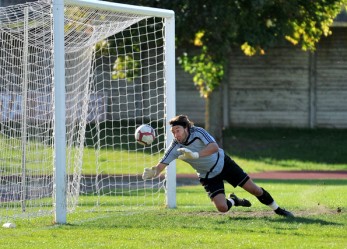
(214, 115)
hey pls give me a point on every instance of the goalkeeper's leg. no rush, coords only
(215, 190)
(221, 203)
(265, 198)
(235, 175)
(214, 187)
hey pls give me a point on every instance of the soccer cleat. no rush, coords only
(240, 202)
(284, 213)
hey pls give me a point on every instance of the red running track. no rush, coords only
(300, 175)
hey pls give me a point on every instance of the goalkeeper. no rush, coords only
(197, 147)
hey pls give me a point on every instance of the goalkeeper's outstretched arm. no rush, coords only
(150, 173)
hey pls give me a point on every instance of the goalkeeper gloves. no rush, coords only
(187, 154)
(149, 173)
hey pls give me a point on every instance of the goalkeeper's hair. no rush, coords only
(182, 120)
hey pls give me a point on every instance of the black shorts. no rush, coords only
(232, 173)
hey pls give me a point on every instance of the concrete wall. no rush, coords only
(188, 100)
(330, 81)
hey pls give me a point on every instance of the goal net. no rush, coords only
(116, 78)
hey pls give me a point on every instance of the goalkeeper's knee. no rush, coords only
(265, 198)
(223, 207)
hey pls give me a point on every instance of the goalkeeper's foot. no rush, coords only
(240, 202)
(283, 212)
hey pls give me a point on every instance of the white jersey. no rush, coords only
(198, 139)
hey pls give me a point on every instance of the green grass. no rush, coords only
(196, 224)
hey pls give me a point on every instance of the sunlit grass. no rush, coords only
(196, 224)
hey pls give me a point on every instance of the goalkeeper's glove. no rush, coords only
(187, 154)
(149, 173)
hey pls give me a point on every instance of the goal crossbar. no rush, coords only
(125, 8)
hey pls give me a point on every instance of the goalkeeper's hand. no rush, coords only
(187, 154)
(149, 173)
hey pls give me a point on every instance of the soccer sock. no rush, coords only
(230, 203)
(266, 198)
(273, 206)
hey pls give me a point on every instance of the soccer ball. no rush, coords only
(145, 134)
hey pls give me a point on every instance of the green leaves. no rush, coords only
(207, 72)
(211, 28)
(312, 21)
(253, 26)
(125, 67)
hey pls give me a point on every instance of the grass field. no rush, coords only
(320, 206)
(195, 223)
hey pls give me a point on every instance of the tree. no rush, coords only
(207, 30)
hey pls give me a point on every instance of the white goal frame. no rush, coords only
(59, 83)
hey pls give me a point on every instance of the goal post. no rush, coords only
(171, 108)
(76, 79)
(59, 114)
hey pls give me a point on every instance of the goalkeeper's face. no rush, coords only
(180, 133)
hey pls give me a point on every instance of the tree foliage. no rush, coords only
(206, 31)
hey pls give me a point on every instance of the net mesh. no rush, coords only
(115, 81)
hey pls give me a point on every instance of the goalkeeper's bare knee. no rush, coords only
(222, 205)
(223, 208)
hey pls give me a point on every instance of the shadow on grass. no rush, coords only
(297, 219)
(306, 220)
